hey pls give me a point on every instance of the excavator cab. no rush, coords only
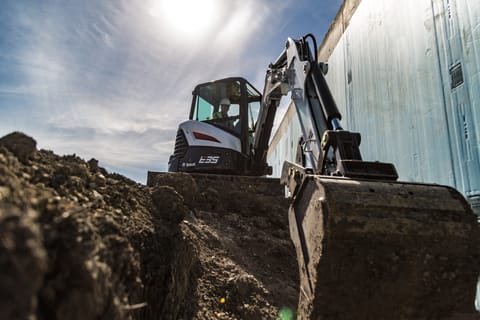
(220, 103)
(219, 135)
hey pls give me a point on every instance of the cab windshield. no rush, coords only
(219, 103)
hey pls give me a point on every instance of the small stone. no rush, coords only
(4, 192)
(99, 180)
(97, 195)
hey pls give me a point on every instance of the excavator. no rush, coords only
(212, 143)
(338, 200)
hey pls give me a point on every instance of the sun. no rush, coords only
(190, 17)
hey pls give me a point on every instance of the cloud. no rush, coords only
(111, 81)
(121, 152)
(111, 120)
(114, 53)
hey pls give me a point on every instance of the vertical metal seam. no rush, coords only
(345, 70)
(469, 146)
(444, 99)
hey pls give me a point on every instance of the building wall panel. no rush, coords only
(394, 75)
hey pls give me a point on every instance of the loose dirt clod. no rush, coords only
(20, 145)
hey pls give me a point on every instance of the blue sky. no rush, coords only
(112, 80)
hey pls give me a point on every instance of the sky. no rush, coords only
(112, 79)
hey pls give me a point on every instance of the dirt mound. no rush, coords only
(77, 242)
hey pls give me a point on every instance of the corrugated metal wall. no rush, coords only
(406, 76)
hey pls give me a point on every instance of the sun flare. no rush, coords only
(190, 17)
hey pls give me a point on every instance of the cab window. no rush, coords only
(208, 100)
(253, 112)
(203, 110)
(253, 108)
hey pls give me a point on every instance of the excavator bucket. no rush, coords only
(365, 248)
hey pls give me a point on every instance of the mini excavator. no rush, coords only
(337, 197)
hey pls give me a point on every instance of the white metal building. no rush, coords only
(406, 75)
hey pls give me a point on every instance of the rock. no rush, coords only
(93, 165)
(94, 168)
(98, 180)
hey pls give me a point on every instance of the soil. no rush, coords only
(78, 242)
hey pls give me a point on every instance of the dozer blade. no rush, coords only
(384, 250)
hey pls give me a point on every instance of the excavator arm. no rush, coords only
(341, 202)
(327, 148)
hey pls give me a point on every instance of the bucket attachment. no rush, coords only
(383, 250)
